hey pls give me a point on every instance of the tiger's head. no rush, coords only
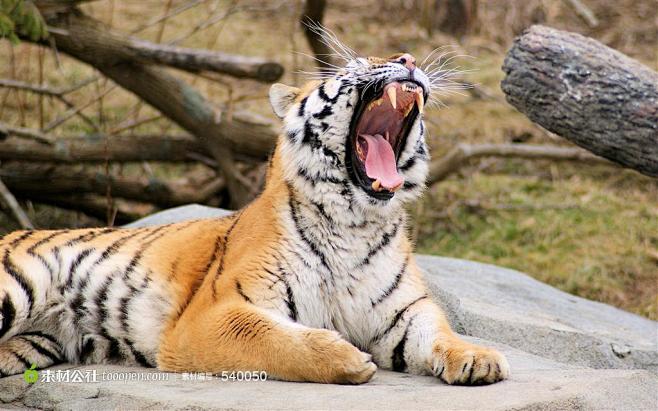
(357, 135)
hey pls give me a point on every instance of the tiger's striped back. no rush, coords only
(99, 295)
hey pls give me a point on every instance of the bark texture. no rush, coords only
(588, 93)
(86, 41)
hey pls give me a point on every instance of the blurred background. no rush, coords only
(71, 133)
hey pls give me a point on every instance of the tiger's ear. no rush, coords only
(282, 97)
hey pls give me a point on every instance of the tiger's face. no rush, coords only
(358, 133)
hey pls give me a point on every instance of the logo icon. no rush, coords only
(31, 376)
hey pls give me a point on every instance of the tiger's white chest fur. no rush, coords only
(337, 272)
(342, 249)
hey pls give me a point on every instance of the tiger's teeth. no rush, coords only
(420, 100)
(376, 185)
(375, 103)
(392, 96)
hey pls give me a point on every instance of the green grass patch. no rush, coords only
(575, 234)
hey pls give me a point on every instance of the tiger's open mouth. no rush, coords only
(378, 132)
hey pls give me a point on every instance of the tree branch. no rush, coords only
(9, 201)
(310, 19)
(460, 155)
(6, 130)
(95, 206)
(588, 93)
(93, 148)
(27, 179)
(194, 60)
(84, 40)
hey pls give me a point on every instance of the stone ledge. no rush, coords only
(564, 351)
(535, 389)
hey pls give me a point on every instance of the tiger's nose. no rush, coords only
(408, 61)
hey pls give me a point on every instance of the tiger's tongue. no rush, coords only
(380, 162)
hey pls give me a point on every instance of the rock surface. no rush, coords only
(564, 351)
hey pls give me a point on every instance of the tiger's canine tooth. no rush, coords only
(420, 100)
(392, 96)
(377, 185)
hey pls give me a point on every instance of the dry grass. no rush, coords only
(592, 231)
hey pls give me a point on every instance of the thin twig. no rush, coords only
(584, 13)
(460, 155)
(7, 130)
(10, 202)
(76, 111)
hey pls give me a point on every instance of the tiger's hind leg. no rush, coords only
(21, 351)
(242, 337)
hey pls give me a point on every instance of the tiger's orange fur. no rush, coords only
(221, 294)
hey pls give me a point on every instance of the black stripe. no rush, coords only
(386, 239)
(16, 242)
(277, 277)
(224, 245)
(42, 350)
(19, 276)
(154, 236)
(290, 302)
(295, 218)
(397, 318)
(124, 303)
(22, 359)
(408, 164)
(45, 240)
(32, 252)
(409, 185)
(292, 136)
(76, 263)
(139, 357)
(399, 364)
(89, 235)
(115, 246)
(42, 335)
(87, 349)
(8, 312)
(238, 287)
(302, 106)
(323, 212)
(323, 95)
(395, 285)
(326, 111)
(302, 172)
(421, 150)
(101, 298)
(310, 136)
(113, 351)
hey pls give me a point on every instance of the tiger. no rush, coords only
(313, 281)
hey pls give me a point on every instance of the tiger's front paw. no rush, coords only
(468, 364)
(340, 361)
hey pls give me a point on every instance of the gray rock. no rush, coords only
(565, 353)
(507, 306)
(529, 388)
(182, 213)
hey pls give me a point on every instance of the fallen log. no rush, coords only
(98, 149)
(28, 178)
(83, 38)
(194, 60)
(130, 49)
(123, 211)
(587, 93)
(122, 149)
